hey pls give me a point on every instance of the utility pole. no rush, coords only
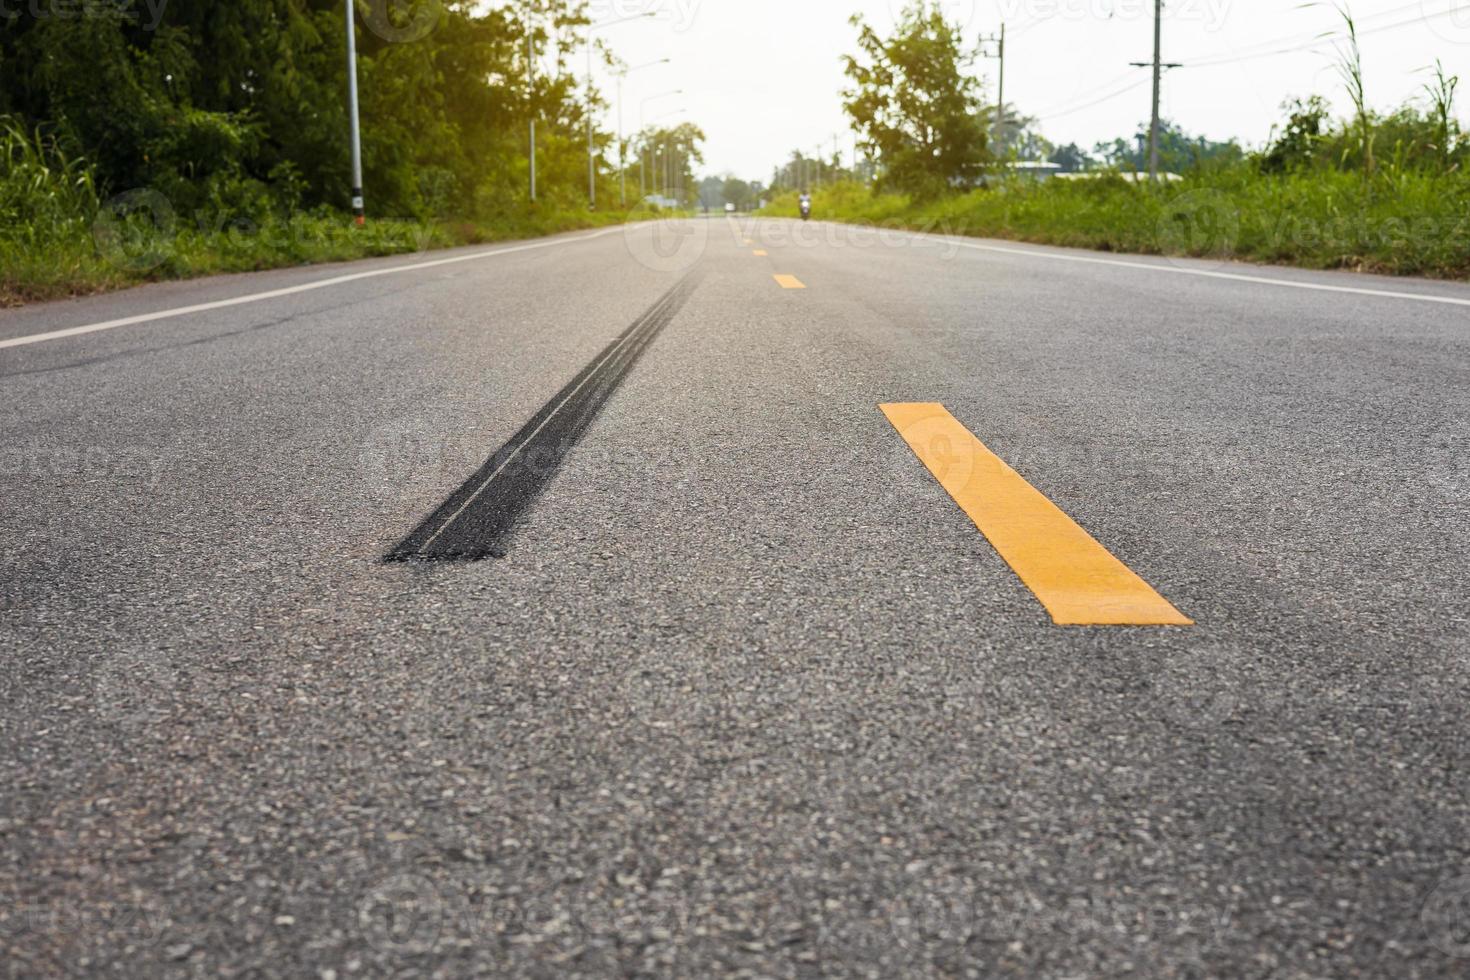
(358, 210)
(999, 40)
(1158, 65)
(1153, 126)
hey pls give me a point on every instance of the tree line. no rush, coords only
(240, 106)
(924, 127)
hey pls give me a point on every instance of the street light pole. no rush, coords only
(531, 94)
(642, 108)
(358, 209)
(591, 149)
(622, 170)
(591, 156)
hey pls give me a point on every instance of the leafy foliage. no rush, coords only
(916, 105)
(240, 105)
(234, 114)
(1179, 152)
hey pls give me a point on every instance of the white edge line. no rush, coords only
(288, 291)
(1180, 270)
(1237, 277)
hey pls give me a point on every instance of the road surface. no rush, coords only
(748, 680)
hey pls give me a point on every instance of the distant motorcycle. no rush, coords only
(806, 208)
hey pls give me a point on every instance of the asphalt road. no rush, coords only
(748, 692)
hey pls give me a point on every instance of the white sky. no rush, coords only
(763, 76)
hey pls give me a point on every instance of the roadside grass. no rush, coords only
(108, 253)
(59, 238)
(1399, 222)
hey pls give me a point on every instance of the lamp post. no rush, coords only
(531, 96)
(591, 151)
(622, 170)
(358, 210)
(665, 169)
(642, 106)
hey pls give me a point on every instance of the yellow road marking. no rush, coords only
(760, 252)
(749, 242)
(1078, 581)
(790, 282)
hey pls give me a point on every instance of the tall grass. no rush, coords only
(1407, 223)
(58, 237)
(47, 204)
(1350, 70)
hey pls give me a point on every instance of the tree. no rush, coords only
(737, 192)
(1071, 158)
(712, 193)
(669, 157)
(1178, 151)
(914, 103)
(232, 108)
(1297, 145)
(1019, 139)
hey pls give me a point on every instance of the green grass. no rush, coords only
(94, 259)
(1397, 222)
(57, 237)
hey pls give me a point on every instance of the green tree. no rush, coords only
(1299, 141)
(670, 156)
(737, 192)
(234, 107)
(915, 104)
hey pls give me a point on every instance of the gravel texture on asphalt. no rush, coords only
(749, 694)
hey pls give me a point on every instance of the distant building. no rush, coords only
(1131, 176)
(1035, 169)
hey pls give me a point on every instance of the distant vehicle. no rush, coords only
(729, 209)
(806, 207)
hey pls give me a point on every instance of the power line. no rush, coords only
(1303, 43)
(1068, 108)
(1098, 101)
(1068, 104)
(1317, 42)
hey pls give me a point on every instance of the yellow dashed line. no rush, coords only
(790, 282)
(759, 252)
(1078, 581)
